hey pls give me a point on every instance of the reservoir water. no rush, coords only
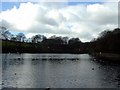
(58, 71)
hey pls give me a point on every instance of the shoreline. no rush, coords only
(109, 56)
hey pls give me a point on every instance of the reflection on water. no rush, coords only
(58, 71)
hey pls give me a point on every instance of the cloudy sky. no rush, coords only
(73, 19)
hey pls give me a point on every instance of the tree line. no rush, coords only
(107, 41)
(20, 37)
(38, 43)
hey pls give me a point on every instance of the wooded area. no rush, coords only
(108, 41)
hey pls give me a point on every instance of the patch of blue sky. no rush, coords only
(85, 3)
(16, 32)
(0, 6)
(9, 5)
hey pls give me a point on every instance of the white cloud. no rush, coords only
(83, 21)
(21, 18)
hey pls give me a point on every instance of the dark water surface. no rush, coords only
(58, 71)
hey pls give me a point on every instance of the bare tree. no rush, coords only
(65, 39)
(20, 37)
(74, 41)
(5, 33)
(38, 38)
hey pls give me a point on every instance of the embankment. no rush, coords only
(108, 56)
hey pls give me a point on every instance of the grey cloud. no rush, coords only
(41, 28)
(42, 17)
(49, 21)
(104, 18)
(4, 23)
